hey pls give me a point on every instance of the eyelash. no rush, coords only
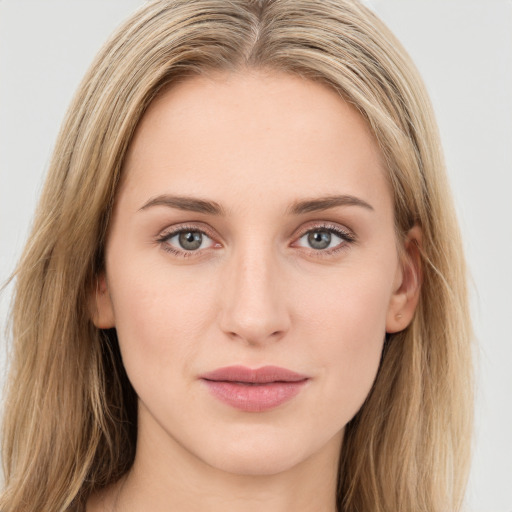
(164, 238)
(346, 237)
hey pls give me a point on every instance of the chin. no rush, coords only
(264, 455)
(256, 463)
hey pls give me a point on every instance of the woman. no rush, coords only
(244, 288)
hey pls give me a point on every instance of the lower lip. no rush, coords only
(254, 397)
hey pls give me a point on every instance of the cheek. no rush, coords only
(160, 315)
(348, 325)
(351, 307)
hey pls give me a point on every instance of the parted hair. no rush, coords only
(70, 420)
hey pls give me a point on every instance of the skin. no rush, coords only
(256, 293)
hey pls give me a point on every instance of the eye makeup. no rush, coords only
(187, 240)
(319, 239)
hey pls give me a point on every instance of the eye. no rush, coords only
(185, 240)
(324, 239)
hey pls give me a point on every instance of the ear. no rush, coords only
(407, 285)
(102, 311)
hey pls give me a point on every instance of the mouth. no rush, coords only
(254, 390)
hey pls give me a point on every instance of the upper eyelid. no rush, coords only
(164, 237)
(329, 226)
(180, 228)
(298, 233)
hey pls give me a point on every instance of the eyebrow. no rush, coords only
(189, 204)
(325, 203)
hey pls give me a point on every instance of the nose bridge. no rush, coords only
(253, 308)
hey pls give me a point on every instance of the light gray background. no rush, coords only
(463, 49)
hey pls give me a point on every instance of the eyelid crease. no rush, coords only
(347, 236)
(344, 233)
(164, 237)
(181, 228)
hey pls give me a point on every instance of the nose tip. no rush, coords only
(253, 306)
(254, 332)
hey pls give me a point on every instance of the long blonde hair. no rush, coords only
(71, 418)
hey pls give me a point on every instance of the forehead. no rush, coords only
(253, 130)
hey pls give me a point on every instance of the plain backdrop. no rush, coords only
(463, 49)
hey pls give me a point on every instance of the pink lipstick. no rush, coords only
(254, 390)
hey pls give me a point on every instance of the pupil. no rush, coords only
(191, 240)
(319, 239)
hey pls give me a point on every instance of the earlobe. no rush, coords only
(406, 295)
(102, 311)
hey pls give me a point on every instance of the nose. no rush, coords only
(254, 307)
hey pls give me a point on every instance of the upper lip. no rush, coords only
(262, 375)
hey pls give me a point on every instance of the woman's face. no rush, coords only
(253, 228)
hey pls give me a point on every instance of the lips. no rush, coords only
(254, 390)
